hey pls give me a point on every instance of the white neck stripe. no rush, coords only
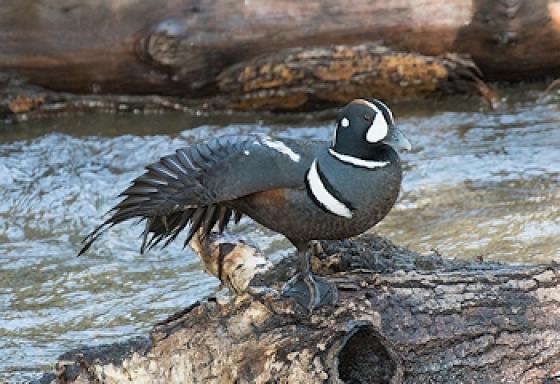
(323, 196)
(371, 164)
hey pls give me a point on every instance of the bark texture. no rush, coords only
(101, 42)
(271, 54)
(401, 317)
(293, 79)
(307, 78)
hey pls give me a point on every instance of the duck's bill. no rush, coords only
(398, 140)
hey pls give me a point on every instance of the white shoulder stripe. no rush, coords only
(323, 196)
(279, 146)
(371, 164)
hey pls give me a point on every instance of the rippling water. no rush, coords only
(477, 183)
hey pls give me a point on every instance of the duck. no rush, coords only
(304, 190)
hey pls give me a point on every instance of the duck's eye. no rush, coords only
(367, 117)
(345, 123)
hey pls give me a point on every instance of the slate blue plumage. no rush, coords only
(303, 189)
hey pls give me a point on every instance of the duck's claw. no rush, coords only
(310, 291)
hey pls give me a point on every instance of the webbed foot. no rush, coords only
(310, 291)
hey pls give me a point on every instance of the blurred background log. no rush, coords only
(191, 48)
(308, 78)
(401, 317)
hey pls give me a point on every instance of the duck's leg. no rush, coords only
(306, 289)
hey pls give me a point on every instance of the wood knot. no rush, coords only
(367, 357)
(162, 43)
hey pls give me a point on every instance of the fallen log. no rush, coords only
(181, 46)
(401, 317)
(296, 79)
(290, 80)
(199, 50)
(311, 77)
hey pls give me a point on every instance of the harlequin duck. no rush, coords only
(304, 190)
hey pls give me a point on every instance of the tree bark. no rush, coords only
(290, 80)
(100, 42)
(191, 48)
(401, 317)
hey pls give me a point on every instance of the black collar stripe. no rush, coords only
(332, 190)
(312, 196)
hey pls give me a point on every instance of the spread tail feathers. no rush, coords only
(170, 197)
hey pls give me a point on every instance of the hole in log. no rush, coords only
(364, 359)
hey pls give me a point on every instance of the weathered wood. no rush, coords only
(190, 48)
(234, 262)
(401, 317)
(95, 43)
(289, 80)
(20, 101)
(305, 78)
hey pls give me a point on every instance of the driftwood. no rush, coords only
(401, 317)
(279, 55)
(294, 79)
(119, 47)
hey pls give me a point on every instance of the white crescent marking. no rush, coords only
(331, 203)
(371, 164)
(344, 123)
(379, 127)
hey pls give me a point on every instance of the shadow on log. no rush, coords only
(401, 317)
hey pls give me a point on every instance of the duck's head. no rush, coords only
(364, 127)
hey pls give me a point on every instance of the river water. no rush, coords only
(478, 183)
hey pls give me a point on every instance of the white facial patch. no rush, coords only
(282, 148)
(379, 128)
(323, 196)
(356, 161)
(344, 123)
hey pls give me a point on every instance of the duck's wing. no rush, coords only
(191, 188)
